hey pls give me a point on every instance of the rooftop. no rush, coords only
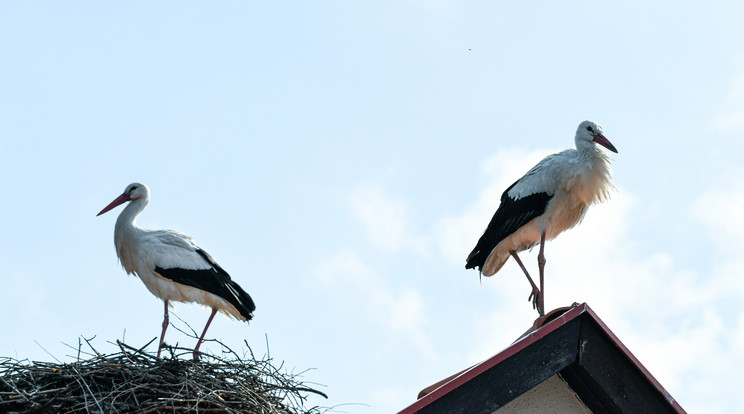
(569, 345)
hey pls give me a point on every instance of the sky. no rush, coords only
(341, 159)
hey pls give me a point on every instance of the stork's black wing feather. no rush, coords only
(214, 280)
(509, 217)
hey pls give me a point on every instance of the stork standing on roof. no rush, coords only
(552, 197)
(172, 266)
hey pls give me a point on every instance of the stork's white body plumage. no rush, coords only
(574, 182)
(552, 197)
(141, 251)
(172, 266)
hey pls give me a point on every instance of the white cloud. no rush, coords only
(400, 310)
(720, 209)
(675, 320)
(732, 119)
(385, 219)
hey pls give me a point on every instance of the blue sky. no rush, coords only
(341, 159)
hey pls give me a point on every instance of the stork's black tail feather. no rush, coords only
(237, 296)
(240, 299)
(508, 218)
(475, 259)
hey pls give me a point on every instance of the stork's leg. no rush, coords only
(535, 295)
(541, 266)
(165, 326)
(198, 344)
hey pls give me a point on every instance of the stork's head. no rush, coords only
(134, 191)
(590, 131)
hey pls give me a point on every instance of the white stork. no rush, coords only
(172, 266)
(552, 197)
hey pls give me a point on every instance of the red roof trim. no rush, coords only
(536, 334)
(478, 369)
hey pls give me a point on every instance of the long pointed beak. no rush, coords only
(601, 140)
(118, 200)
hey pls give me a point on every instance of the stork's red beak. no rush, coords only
(118, 200)
(601, 140)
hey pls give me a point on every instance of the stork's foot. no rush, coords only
(196, 355)
(535, 298)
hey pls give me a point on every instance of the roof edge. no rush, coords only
(541, 328)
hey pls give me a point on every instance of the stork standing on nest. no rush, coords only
(172, 266)
(552, 197)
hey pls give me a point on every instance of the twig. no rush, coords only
(87, 341)
(83, 383)
(48, 353)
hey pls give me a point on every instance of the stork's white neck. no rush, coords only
(126, 228)
(126, 233)
(128, 217)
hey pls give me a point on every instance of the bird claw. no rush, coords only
(534, 297)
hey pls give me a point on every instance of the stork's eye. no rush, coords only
(132, 189)
(590, 129)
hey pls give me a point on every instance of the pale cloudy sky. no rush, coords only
(341, 159)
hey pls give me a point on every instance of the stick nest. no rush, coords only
(132, 380)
